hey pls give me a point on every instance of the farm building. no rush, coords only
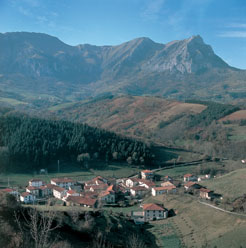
(147, 174)
(26, 197)
(189, 178)
(154, 212)
(62, 182)
(206, 193)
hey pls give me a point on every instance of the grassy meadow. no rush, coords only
(230, 185)
(111, 170)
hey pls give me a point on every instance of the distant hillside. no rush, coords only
(130, 115)
(191, 125)
(39, 69)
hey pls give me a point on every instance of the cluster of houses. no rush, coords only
(191, 185)
(101, 191)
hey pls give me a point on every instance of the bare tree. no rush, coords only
(99, 241)
(74, 214)
(39, 225)
(135, 241)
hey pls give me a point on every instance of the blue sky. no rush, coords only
(221, 23)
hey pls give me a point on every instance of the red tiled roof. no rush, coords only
(205, 190)
(167, 184)
(71, 192)
(89, 194)
(81, 200)
(110, 188)
(100, 186)
(59, 189)
(31, 188)
(7, 190)
(50, 186)
(139, 188)
(188, 175)
(104, 193)
(165, 188)
(147, 182)
(24, 194)
(152, 206)
(190, 184)
(147, 171)
(62, 180)
(35, 180)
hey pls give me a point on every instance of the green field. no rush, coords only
(196, 225)
(178, 171)
(21, 180)
(231, 185)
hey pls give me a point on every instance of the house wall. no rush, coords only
(146, 175)
(130, 183)
(33, 192)
(58, 194)
(63, 184)
(190, 179)
(108, 198)
(154, 214)
(36, 183)
(157, 192)
(27, 199)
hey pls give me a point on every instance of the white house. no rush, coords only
(158, 191)
(96, 181)
(26, 197)
(132, 182)
(138, 191)
(168, 183)
(206, 193)
(192, 185)
(11, 192)
(189, 178)
(98, 188)
(49, 189)
(62, 182)
(162, 190)
(81, 201)
(35, 182)
(147, 174)
(71, 193)
(33, 190)
(146, 183)
(154, 212)
(59, 192)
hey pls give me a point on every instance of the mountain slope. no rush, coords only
(34, 63)
(135, 116)
(193, 125)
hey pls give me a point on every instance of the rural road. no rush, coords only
(221, 209)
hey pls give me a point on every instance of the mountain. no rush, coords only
(37, 66)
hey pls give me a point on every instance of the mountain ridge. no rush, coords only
(42, 64)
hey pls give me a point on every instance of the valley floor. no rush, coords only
(194, 224)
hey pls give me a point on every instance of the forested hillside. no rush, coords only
(194, 125)
(37, 142)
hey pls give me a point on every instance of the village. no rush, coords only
(111, 192)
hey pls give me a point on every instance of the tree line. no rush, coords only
(214, 111)
(38, 142)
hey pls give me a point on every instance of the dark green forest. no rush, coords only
(37, 142)
(214, 111)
